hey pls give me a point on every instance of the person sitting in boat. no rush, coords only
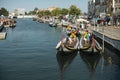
(68, 27)
(87, 36)
(73, 33)
(72, 37)
(68, 30)
(67, 41)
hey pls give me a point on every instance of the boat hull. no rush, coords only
(90, 48)
(62, 46)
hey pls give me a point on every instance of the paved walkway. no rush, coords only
(109, 31)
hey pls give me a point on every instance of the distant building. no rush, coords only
(19, 12)
(11, 14)
(49, 9)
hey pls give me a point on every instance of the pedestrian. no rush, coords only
(114, 20)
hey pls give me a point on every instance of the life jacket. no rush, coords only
(73, 35)
(85, 35)
(68, 27)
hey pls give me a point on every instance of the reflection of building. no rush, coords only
(19, 12)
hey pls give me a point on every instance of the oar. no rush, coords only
(93, 43)
(62, 39)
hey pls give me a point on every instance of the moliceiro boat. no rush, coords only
(68, 44)
(91, 46)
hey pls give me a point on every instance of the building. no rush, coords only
(97, 8)
(100, 8)
(19, 12)
(91, 8)
(117, 7)
(51, 8)
(103, 7)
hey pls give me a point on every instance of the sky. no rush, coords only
(30, 5)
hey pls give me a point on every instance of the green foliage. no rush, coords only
(73, 10)
(47, 13)
(40, 14)
(32, 13)
(4, 12)
(26, 13)
(35, 10)
(56, 12)
(64, 11)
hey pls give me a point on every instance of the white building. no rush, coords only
(19, 11)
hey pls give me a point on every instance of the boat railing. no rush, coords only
(97, 45)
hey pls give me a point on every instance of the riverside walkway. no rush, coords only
(110, 31)
(111, 34)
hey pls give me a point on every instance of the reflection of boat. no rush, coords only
(90, 60)
(91, 46)
(68, 45)
(64, 60)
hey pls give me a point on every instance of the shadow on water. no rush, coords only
(64, 60)
(111, 56)
(91, 61)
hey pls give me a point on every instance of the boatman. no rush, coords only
(68, 27)
(86, 36)
(73, 34)
(72, 37)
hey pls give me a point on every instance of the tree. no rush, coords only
(40, 13)
(56, 12)
(78, 11)
(32, 13)
(4, 12)
(73, 10)
(64, 11)
(47, 13)
(36, 9)
(26, 13)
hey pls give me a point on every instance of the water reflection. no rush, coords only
(64, 60)
(91, 60)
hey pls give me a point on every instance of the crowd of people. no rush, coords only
(75, 32)
(107, 20)
(6, 21)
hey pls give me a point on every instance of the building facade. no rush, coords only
(117, 7)
(103, 7)
(19, 12)
(91, 8)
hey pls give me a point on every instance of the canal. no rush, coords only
(29, 53)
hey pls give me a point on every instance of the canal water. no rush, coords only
(28, 53)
